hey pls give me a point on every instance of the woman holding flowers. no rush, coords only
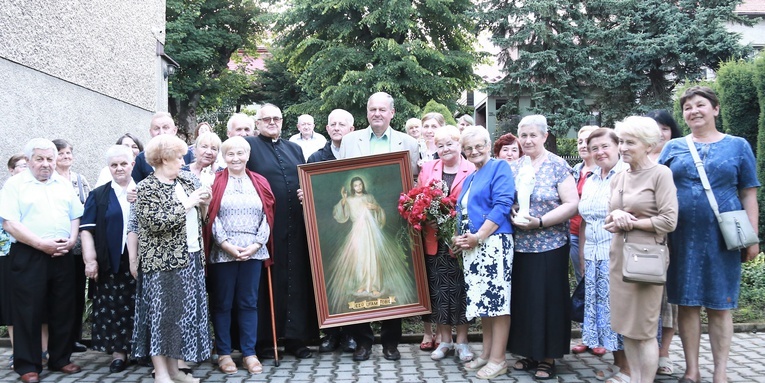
(445, 279)
(486, 240)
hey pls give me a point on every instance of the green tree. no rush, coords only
(546, 54)
(660, 44)
(759, 80)
(434, 106)
(343, 51)
(738, 97)
(612, 56)
(201, 36)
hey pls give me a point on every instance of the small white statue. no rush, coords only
(206, 177)
(524, 185)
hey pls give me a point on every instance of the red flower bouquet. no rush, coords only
(429, 204)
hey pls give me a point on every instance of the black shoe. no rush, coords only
(391, 353)
(79, 347)
(265, 352)
(361, 353)
(347, 343)
(329, 343)
(117, 365)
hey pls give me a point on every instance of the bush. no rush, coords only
(759, 80)
(433, 106)
(738, 97)
(751, 300)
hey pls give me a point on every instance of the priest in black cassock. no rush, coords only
(295, 310)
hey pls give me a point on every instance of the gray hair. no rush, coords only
(342, 113)
(467, 118)
(235, 142)
(537, 120)
(386, 95)
(118, 151)
(305, 117)
(39, 144)
(239, 116)
(475, 132)
(645, 129)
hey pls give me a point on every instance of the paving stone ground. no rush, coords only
(747, 364)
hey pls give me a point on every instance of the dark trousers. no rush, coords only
(235, 284)
(41, 284)
(80, 282)
(390, 333)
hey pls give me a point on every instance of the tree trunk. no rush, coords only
(185, 114)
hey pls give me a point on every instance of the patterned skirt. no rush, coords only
(488, 274)
(447, 287)
(596, 329)
(171, 315)
(113, 309)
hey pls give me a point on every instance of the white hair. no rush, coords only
(39, 144)
(239, 116)
(537, 120)
(118, 151)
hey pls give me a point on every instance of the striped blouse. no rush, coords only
(593, 208)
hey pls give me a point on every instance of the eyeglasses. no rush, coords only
(21, 166)
(269, 120)
(477, 148)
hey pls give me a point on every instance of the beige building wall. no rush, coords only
(83, 70)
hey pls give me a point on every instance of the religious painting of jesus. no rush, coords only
(365, 264)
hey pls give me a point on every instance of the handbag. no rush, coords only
(577, 303)
(641, 262)
(735, 226)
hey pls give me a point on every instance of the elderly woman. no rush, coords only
(64, 162)
(128, 140)
(643, 206)
(16, 164)
(485, 237)
(413, 127)
(237, 241)
(594, 245)
(445, 279)
(103, 229)
(206, 149)
(702, 272)
(507, 148)
(464, 121)
(169, 212)
(541, 328)
(669, 130)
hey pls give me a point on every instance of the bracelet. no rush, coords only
(480, 240)
(541, 225)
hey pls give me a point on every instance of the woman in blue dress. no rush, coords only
(702, 272)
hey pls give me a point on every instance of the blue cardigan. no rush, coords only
(492, 193)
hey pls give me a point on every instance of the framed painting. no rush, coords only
(365, 264)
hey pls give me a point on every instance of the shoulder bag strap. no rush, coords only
(704, 179)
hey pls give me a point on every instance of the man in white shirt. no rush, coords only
(42, 213)
(308, 140)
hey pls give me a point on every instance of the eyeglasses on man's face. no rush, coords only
(269, 120)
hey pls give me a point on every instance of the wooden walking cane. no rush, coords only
(273, 319)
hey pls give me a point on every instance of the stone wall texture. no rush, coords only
(83, 70)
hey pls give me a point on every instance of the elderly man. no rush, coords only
(241, 125)
(308, 140)
(378, 138)
(42, 213)
(295, 312)
(340, 123)
(161, 123)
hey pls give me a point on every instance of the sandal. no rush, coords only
(598, 351)
(619, 378)
(475, 364)
(442, 351)
(545, 368)
(525, 364)
(607, 373)
(428, 346)
(666, 367)
(463, 352)
(183, 377)
(225, 364)
(492, 370)
(253, 364)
